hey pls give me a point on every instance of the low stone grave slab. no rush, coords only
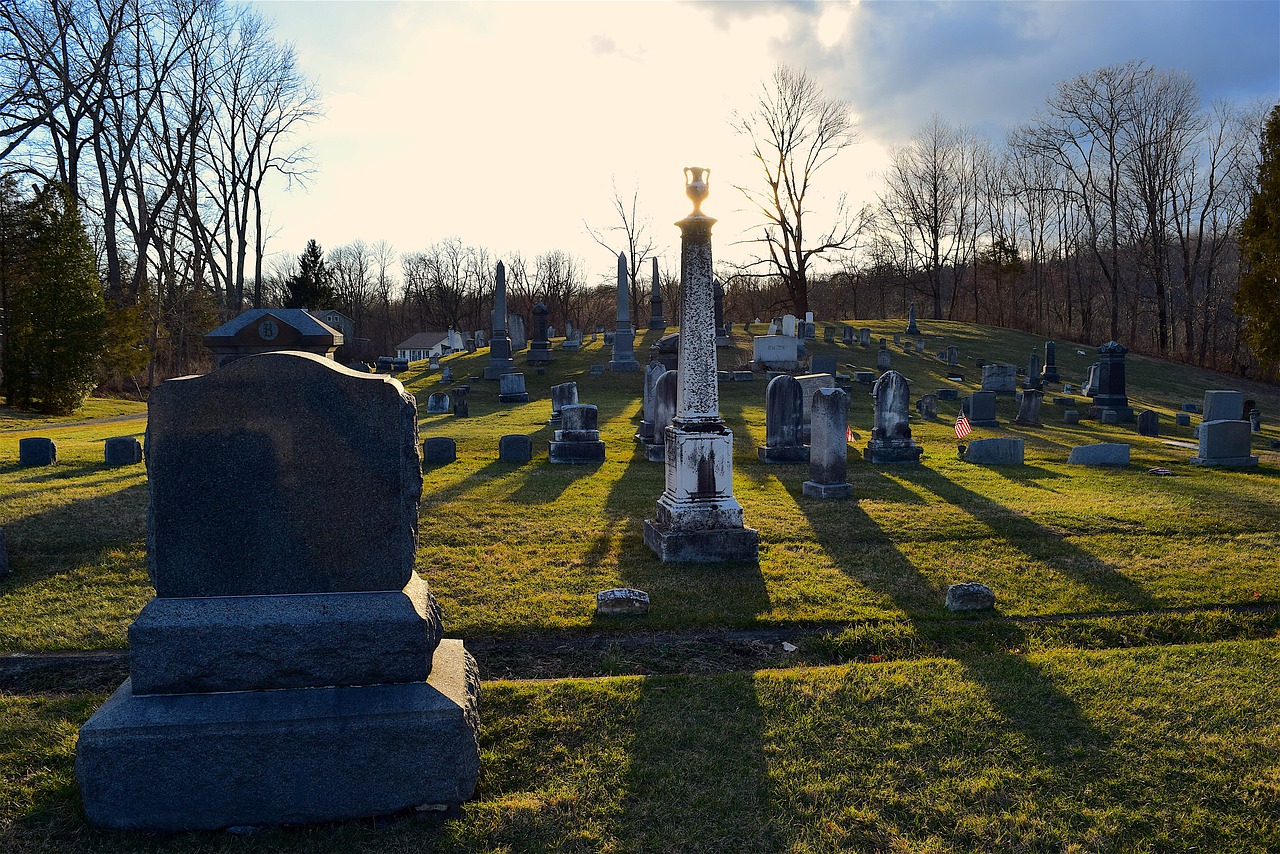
(1101, 454)
(439, 450)
(970, 596)
(515, 448)
(37, 451)
(999, 451)
(122, 451)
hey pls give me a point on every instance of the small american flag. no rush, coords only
(962, 426)
(848, 435)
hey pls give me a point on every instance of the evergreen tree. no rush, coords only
(1258, 299)
(55, 315)
(312, 287)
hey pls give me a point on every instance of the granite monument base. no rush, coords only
(892, 451)
(576, 451)
(251, 643)
(298, 756)
(702, 546)
(783, 453)
(826, 490)
(1226, 462)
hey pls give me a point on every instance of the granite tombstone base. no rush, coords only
(171, 762)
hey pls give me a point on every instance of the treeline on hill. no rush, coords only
(1115, 212)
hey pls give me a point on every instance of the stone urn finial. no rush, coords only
(696, 186)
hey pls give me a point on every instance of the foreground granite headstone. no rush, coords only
(562, 395)
(290, 669)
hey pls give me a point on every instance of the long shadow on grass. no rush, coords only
(546, 481)
(1032, 704)
(699, 593)
(698, 778)
(466, 484)
(1039, 542)
(863, 551)
(74, 533)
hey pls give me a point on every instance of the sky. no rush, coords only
(512, 125)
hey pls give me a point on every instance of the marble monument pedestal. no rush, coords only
(697, 517)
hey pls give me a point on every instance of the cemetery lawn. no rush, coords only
(1121, 697)
(1159, 749)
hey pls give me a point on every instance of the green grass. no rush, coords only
(510, 549)
(1120, 699)
(1160, 749)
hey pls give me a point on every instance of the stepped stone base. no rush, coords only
(1226, 462)
(814, 489)
(297, 756)
(705, 546)
(783, 453)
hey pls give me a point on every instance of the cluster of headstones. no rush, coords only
(43, 451)
(576, 441)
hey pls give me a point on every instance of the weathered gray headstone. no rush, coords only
(891, 440)
(927, 406)
(1148, 423)
(37, 451)
(1049, 373)
(622, 602)
(1111, 381)
(953, 356)
(821, 364)
(290, 669)
(562, 395)
(864, 336)
(1071, 416)
(883, 361)
(1001, 379)
(578, 439)
(439, 450)
(515, 448)
(664, 407)
(652, 373)
(540, 349)
(784, 420)
(1182, 419)
(970, 596)
(1223, 405)
(1000, 451)
(461, 401)
(912, 329)
(981, 409)
(776, 353)
(1225, 443)
(1029, 408)
(511, 389)
(438, 403)
(829, 446)
(122, 451)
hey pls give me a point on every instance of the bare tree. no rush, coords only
(794, 131)
(629, 235)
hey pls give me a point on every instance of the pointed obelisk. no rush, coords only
(624, 336)
(500, 361)
(698, 519)
(655, 300)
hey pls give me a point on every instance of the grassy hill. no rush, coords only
(890, 724)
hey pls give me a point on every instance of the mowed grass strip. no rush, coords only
(1156, 749)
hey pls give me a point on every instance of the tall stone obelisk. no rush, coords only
(500, 361)
(698, 519)
(624, 335)
(655, 300)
